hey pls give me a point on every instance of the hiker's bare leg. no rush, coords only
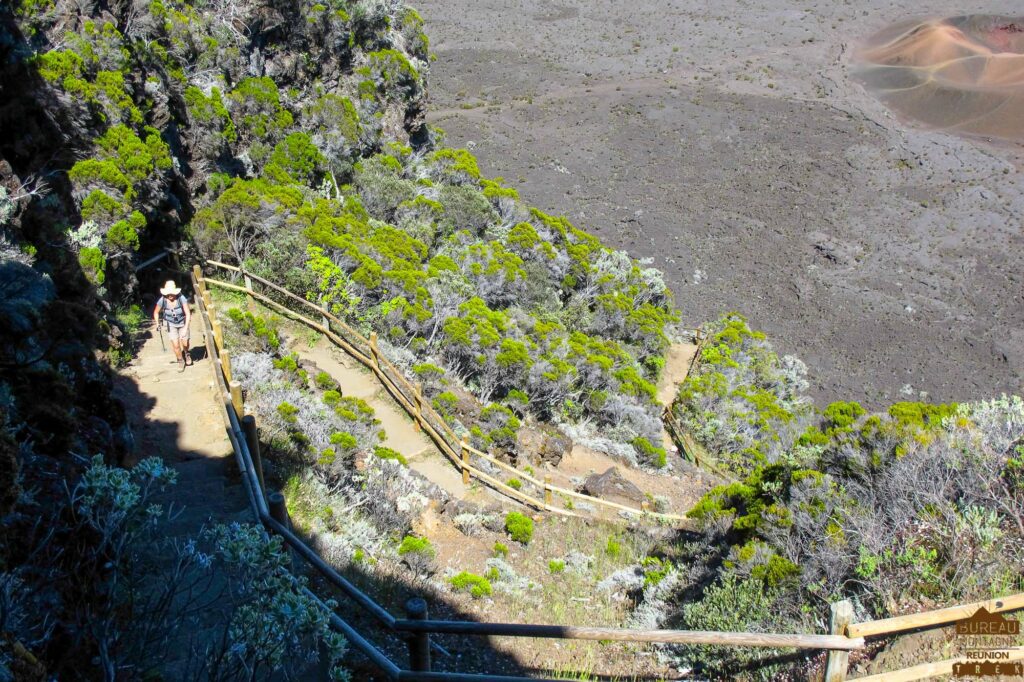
(177, 350)
(184, 352)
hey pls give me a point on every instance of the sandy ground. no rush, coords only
(730, 143)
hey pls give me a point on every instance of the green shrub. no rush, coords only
(94, 264)
(416, 545)
(387, 453)
(288, 412)
(344, 440)
(519, 527)
(613, 547)
(514, 483)
(655, 569)
(842, 415)
(556, 566)
(324, 381)
(500, 549)
(288, 363)
(124, 234)
(733, 605)
(652, 454)
(477, 585)
(921, 415)
(298, 158)
(254, 325)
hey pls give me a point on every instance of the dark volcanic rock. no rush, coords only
(611, 484)
(544, 443)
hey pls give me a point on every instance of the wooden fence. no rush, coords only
(474, 464)
(269, 509)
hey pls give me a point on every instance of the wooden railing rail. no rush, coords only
(937, 618)
(406, 394)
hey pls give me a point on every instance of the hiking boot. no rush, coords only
(181, 365)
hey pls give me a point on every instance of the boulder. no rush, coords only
(611, 484)
(544, 443)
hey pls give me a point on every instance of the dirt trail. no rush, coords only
(359, 382)
(173, 416)
(425, 458)
(677, 365)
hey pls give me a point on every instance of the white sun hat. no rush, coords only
(170, 288)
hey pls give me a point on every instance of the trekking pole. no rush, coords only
(160, 328)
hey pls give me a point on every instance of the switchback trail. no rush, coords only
(426, 459)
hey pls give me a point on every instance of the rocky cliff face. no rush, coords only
(119, 121)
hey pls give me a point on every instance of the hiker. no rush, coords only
(173, 309)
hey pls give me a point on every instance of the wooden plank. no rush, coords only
(507, 468)
(934, 618)
(225, 266)
(513, 493)
(348, 348)
(838, 662)
(226, 285)
(929, 670)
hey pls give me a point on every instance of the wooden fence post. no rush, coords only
(548, 496)
(837, 662)
(252, 440)
(373, 351)
(218, 334)
(465, 461)
(236, 398)
(197, 272)
(324, 320)
(250, 302)
(419, 642)
(225, 365)
(279, 512)
(417, 395)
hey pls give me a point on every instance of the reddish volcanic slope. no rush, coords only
(963, 74)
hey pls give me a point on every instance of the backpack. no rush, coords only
(173, 316)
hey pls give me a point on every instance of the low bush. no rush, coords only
(733, 605)
(556, 566)
(417, 553)
(387, 453)
(478, 586)
(613, 547)
(519, 527)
